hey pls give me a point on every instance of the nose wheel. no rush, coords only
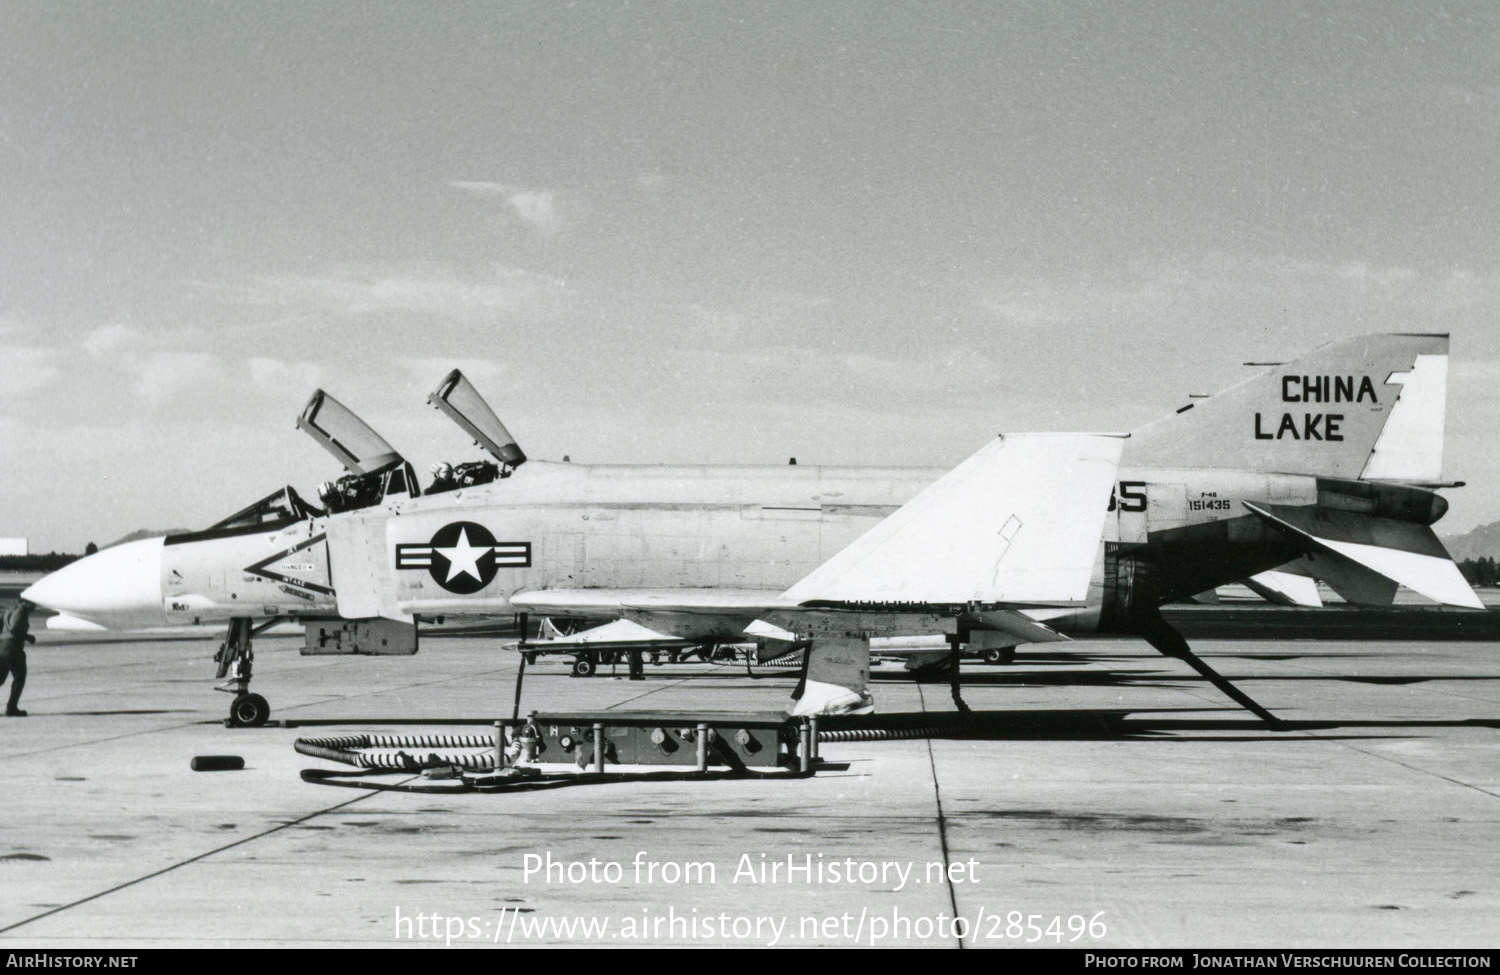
(249, 711)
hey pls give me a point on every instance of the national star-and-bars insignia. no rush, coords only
(463, 556)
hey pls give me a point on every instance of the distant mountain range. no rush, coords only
(1481, 542)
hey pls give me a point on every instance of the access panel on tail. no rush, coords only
(1368, 407)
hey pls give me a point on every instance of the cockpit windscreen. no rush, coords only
(280, 506)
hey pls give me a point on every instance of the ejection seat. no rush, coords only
(375, 470)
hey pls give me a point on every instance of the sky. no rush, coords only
(854, 233)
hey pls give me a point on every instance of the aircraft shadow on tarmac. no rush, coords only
(1158, 678)
(1165, 725)
(1150, 675)
(1158, 724)
(1074, 658)
(1155, 724)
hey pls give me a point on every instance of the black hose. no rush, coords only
(343, 749)
(556, 780)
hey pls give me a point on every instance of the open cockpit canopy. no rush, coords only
(457, 398)
(348, 438)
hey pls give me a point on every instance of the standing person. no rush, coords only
(14, 635)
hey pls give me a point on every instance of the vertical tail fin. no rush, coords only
(1370, 407)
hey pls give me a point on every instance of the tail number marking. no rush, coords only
(1130, 496)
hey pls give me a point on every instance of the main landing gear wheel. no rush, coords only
(1000, 655)
(249, 711)
(583, 667)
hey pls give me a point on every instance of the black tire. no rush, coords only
(583, 667)
(1000, 655)
(936, 673)
(529, 656)
(249, 711)
(217, 763)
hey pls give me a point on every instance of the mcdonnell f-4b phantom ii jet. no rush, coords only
(1330, 462)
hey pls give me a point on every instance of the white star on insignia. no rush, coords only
(463, 558)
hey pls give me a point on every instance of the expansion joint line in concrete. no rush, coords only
(190, 860)
(942, 821)
(108, 738)
(1384, 758)
(657, 688)
(202, 721)
(1396, 761)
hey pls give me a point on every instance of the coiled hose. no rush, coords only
(943, 730)
(390, 755)
(389, 752)
(412, 753)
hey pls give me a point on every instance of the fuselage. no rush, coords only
(1169, 533)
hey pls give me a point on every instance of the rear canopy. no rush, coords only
(457, 398)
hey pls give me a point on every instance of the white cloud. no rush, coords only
(424, 289)
(536, 208)
(160, 376)
(282, 378)
(26, 369)
(483, 373)
(109, 338)
(481, 188)
(1224, 298)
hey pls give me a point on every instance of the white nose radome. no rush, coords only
(119, 587)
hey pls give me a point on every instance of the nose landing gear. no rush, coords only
(237, 661)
